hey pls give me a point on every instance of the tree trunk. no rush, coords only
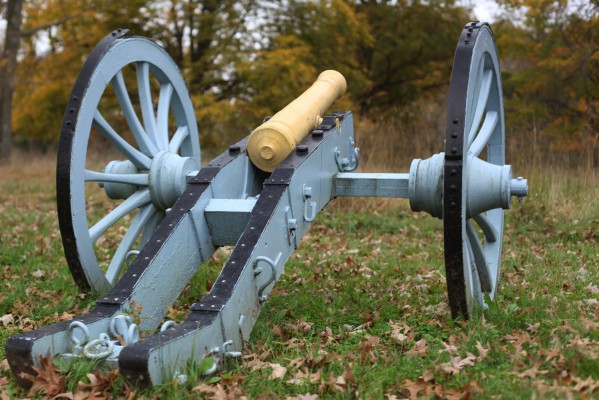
(8, 64)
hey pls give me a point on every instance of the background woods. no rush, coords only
(246, 59)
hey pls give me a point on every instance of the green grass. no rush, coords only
(361, 311)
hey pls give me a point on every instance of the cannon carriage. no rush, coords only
(259, 196)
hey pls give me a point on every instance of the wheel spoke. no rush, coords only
(145, 99)
(485, 225)
(481, 103)
(140, 160)
(132, 179)
(136, 200)
(164, 103)
(150, 227)
(479, 258)
(119, 258)
(180, 135)
(483, 137)
(141, 137)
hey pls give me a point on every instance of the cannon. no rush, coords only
(259, 196)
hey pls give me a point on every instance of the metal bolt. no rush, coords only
(303, 149)
(234, 149)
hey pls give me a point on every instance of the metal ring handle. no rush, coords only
(71, 329)
(98, 348)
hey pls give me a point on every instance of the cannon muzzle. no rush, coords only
(274, 140)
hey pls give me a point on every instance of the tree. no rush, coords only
(390, 51)
(12, 12)
(45, 77)
(551, 74)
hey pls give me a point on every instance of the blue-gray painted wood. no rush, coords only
(353, 184)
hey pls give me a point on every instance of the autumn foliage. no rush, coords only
(244, 60)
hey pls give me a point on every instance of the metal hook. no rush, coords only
(84, 329)
(273, 276)
(129, 255)
(127, 330)
(307, 193)
(348, 164)
(167, 325)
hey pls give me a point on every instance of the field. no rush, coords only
(361, 310)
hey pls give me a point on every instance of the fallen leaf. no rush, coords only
(307, 396)
(7, 319)
(531, 372)
(456, 364)
(594, 289)
(588, 385)
(302, 376)
(533, 328)
(38, 273)
(419, 349)
(48, 379)
(278, 371)
(414, 387)
(66, 316)
(482, 352)
(427, 376)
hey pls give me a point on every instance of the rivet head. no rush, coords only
(453, 172)
(455, 121)
(234, 149)
(454, 150)
(454, 135)
(451, 187)
(452, 204)
(302, 149)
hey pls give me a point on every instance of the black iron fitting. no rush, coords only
(65, 149)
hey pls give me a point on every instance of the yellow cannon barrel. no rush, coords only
(275, 139)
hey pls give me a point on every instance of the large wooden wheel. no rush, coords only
(107, 150)
(476, 181)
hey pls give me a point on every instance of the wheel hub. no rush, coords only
(489, 186)
(168, 177)
(119, 190)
